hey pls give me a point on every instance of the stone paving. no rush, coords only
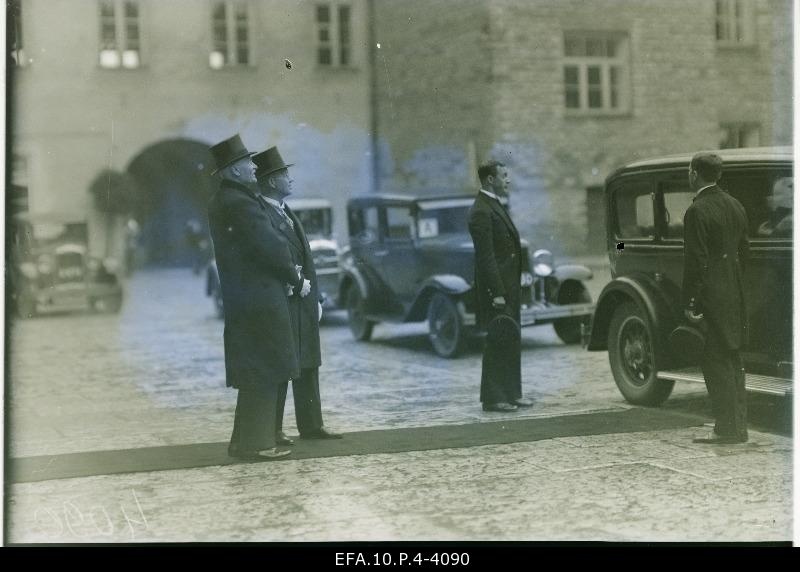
(153, 375)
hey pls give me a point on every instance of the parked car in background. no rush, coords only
(50, 268)
(316, 216)
(412, 259)
(645, 203)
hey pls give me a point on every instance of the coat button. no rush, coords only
(724, 256)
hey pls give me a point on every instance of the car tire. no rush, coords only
(445, 326)
(633, 353)
(569, 329)
(360, 326)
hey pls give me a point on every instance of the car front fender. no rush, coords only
(643, 291)
(572, 272)
(450, 284)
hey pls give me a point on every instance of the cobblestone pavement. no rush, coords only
(154, 375)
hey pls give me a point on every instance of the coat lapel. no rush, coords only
(501, 212)
(299, 232)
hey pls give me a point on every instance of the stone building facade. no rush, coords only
(565, 91)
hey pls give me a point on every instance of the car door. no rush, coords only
(633, 225)
(400, 269)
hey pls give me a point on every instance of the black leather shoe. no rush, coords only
(263, 455)
(320, 433)
(282, 439)
(523, 402)
(499, 407)
(716, 439)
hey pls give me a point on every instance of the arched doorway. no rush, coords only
(175, 181)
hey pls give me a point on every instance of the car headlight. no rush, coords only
(28, 270)
(526, 279)
(543, 262)
(45, 265)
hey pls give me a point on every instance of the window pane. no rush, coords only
(595, 47)
(242, 55)
(324, 35)
(107, 9)
(775, 219)
(131, 10)
(593, 75)
(634, 209)
(323, 13)
(571, 75)
(677, 198)
(399, 223)
(574, 46)
(614, 87)
(611, 48)
(324, 56)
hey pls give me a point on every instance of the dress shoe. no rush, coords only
(502, 406)
(263, 455)
(715, 438)
(320, 433)
(523, 402)
(282, 439)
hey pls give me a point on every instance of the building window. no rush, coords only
(14, 25)
(735, 22)
(231, 34)
(596, 73)
(737, 135)
(120, 44)
(18, 201)
(334, 41)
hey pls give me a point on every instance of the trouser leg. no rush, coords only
(254, 419)
(307, 402)
(492, 387)
(280, 407)
(722, 370)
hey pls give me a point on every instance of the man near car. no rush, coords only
(715, 252)
(305, 307)
(255, 266)
(498, 270)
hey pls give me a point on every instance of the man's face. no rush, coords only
(280, 183)
(692, 178)
(501, 182)
(245, 170)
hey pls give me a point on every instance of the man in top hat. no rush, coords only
(305, 308)
(715, 251)
(255, 266)
(498, 270)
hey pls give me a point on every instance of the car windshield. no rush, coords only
(436, 222)
(316, 222)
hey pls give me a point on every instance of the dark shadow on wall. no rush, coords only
(174, 178)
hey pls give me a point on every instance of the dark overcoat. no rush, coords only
(715, 253)
(498, 259)
(255, 266)
(303, 311)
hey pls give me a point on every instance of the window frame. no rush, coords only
(747, 18)
(121, 40)
(616, 188)
(232, 39)
(336, 32)
(620, 61)
(739, 126)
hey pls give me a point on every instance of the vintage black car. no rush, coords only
(412, 259)
(316, 216)
(50, 269)
(645, 204)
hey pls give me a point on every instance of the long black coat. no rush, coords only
(715, 252)
(304, 312)
(498, 259)
(255, 266)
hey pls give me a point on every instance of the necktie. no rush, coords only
(286, 216)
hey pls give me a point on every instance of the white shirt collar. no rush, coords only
(501, 200)
(704, 188)
(273, 202)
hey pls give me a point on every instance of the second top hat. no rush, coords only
(227, 152)
(269, 161)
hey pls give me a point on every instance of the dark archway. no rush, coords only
(174, 178)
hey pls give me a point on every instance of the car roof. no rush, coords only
(397, 199)
(730, 156)
(46, 217)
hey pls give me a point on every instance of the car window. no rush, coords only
(634, 210)
(767, 197)
(437, 222)
(316, 222)
(363, 225)
(399, 223)
(678, 198)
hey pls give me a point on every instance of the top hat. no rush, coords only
(228, 152)
(504, 329)
(688, 342)
(269, 161)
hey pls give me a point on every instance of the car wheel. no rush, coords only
(445, 328)
(356, 315)
(632, 353)
(569, 329)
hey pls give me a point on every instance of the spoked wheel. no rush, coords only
(632, 353)
(360, 326)
(445, 329)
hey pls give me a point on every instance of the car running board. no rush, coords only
(753, 382)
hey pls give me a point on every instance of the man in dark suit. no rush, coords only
(305, 308)
(498, 270)
(255, 266)
(715, 251)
